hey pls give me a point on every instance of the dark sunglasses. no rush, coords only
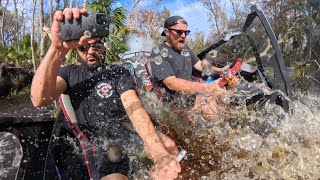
(180, 32)
(95, 46)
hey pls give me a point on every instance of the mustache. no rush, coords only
(181, 40)
(93, 56)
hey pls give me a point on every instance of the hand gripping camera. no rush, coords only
(93, 25)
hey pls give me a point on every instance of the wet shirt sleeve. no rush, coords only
(64, 74)
(125, 81)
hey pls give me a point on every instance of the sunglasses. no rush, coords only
(95, 46)
(180, 32)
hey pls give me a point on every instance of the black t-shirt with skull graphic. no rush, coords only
(95, 96)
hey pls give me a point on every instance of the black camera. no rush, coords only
(94, 25)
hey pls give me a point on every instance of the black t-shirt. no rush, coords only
(95, 96)
(173, 64)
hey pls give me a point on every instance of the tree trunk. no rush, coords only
(41, 23)
(78, 3)
(133, 14)
(23, 20)
(3, 10)
(32, 36)
(16, 38)
(150, 25)
(71, 4)
(235, 6)
(65, 4)
(51, 12)
(58, 4)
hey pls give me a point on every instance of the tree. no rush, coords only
(51, 12)
(32, 36)
(236, 4)
(57, 4)
(41, 24)
(198, 43)
(133, 15)
(3, 15)
(116, 44)
(217, 15)
(147, 22)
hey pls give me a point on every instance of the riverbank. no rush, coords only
(20, 105)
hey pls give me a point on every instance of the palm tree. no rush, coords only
(116, 44)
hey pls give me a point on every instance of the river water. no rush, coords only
(241, 142)
(22, 107)
(244, 142)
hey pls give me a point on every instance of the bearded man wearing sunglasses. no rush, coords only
(174, 74)
(104, 99)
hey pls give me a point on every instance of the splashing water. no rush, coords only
(248, 142)
(164, 52)
(157, 60)
(10, 155)
(87, 34)
(242, 142)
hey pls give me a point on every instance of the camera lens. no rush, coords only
(102, 19)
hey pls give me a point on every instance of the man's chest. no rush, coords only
(94, 89)
(181, 65)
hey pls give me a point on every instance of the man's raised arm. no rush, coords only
(46, 85)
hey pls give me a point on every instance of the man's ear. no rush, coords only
(166, 30)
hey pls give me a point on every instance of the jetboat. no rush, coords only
(27, 142)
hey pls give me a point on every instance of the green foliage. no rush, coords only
(116, 47)
(198, 43)
(71, 57)
(115, 42)
(20, 93)
(101, 6)
(21, 58)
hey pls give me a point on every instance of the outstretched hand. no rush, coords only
(166, 168)
(57, 42)
(214, 88)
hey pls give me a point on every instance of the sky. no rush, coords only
(192, 10)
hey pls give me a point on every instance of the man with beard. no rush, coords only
(174, 73)
(104, 99)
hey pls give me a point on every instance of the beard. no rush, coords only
(177, 44)
(177, 47)
(91, 67)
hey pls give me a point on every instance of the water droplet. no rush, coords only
(94, 29)
(107, 45)
(87, 34)
(143, 60)
(113, 29)
(157, 60)
(156, 50)
(164, 52)
(185, 52)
